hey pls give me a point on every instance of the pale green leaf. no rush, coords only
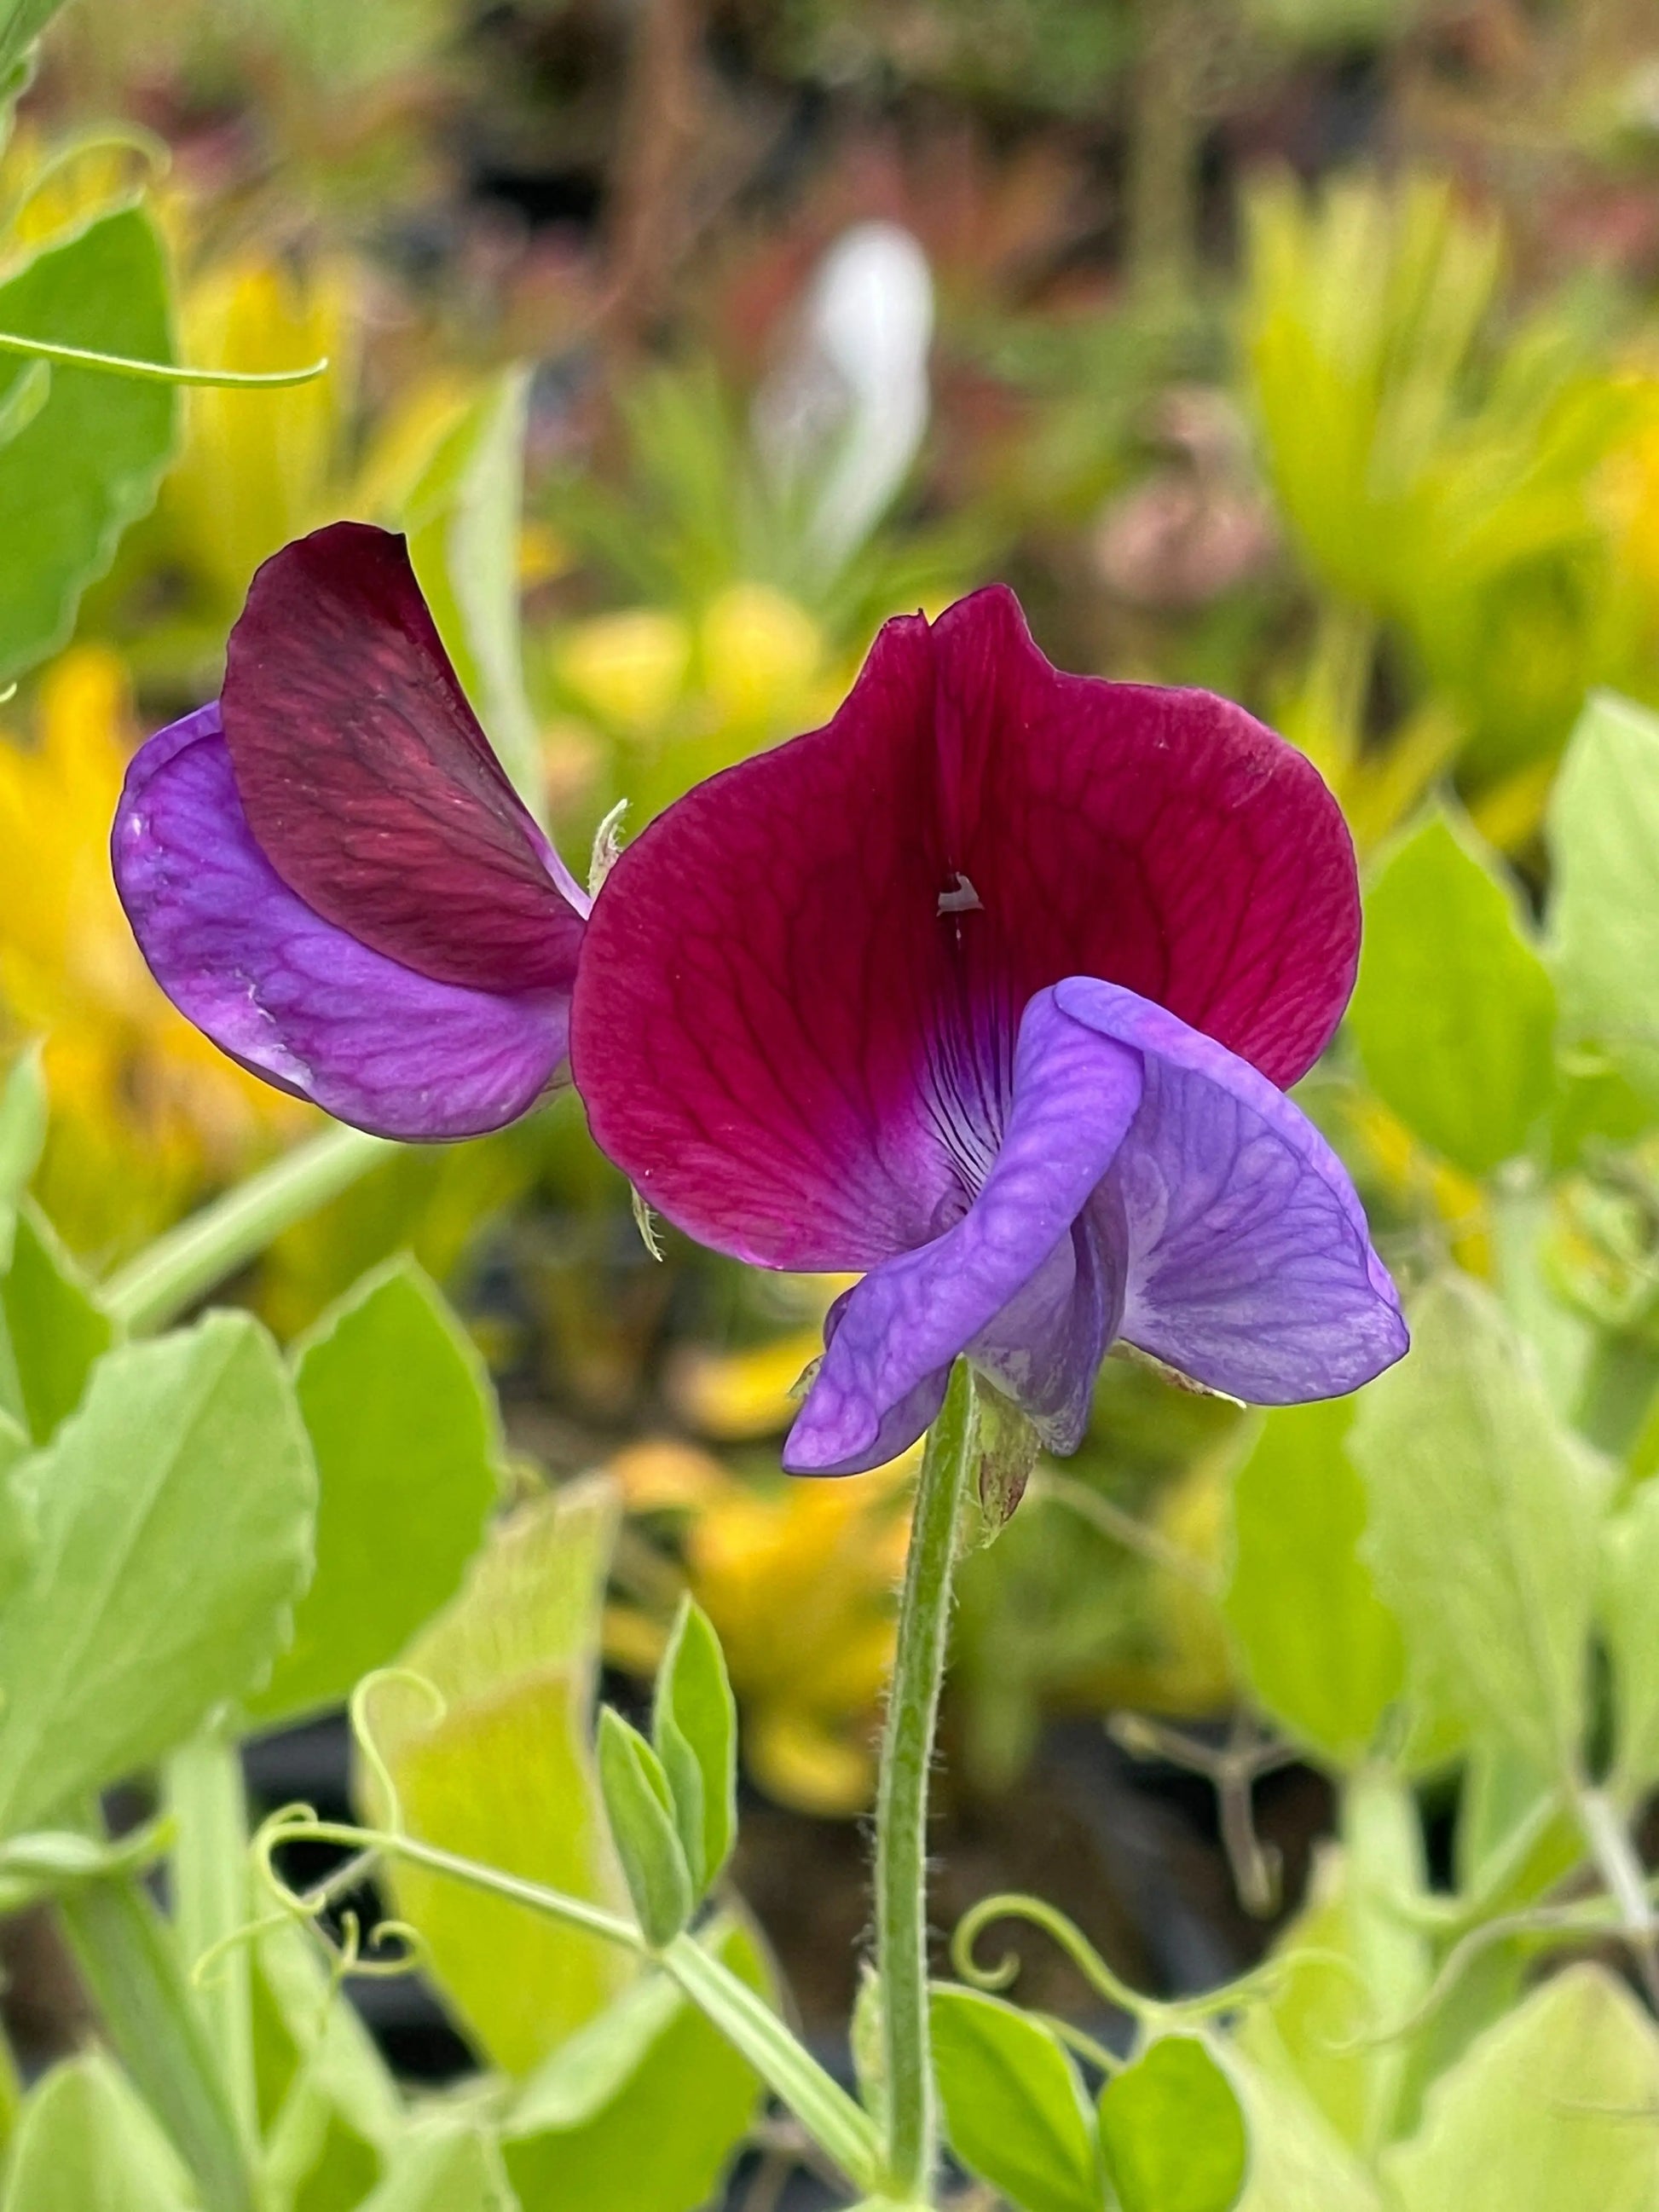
(646, 2106)
(1553, 2107)
(1483, 1522)
(22, 22)
(640, 1806)
(1014, 2106)
(54, 1325)
(505, 1774)
(1321, 1651)
(402, 1419)
(23, 1109)
(1296, 2163)
(86, 2144)
(1604, 905)
(174, 1510)
(1171, 2133)
(1454, 1011)
(462, 516)
(1629, 1621)
(89, 461)
(694, 1725)
(445, 2166)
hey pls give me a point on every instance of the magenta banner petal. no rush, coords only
(1074, 1094)
(367, 783)
(800, 988)
(289, 995)
(1241, 1240)
(759, 985)
(1161, 839)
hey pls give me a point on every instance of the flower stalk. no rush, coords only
(901, 1801)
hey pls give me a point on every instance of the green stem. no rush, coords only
(129, 1965)
(907, 1754)
(210, 1902)
(158, 372)
(1615, 1859)
(11, 2094)
(186, 1263)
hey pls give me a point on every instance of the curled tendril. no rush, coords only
(373, 1959)
(1013, 1905)
(363, 1734)
(1251, 1989)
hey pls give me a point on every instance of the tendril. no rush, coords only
(362, 1734)
(1013, 1905)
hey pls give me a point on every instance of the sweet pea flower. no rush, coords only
(329, 872)
(990, 988)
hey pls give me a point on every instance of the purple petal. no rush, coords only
(1246, 1259)
(1045, 1346)
(289, 995)
(1074, 1095)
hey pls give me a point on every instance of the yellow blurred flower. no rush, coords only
(760, 654)
(799, 1580)
(627, 668)
(258, 467)
(1414, 1176)
(144, 1106)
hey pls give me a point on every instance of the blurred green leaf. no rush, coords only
(1306, 2033)
(1296, 2163)
(1454, 1012)
(86, 2144)
(24, 1110)
(174, 1512)
(445, 2165)
(1014, 2109)
(506, 1774)
(640, 1806)
(1604, 905)
(1482, 1523)
(54, 1326)
(89, 461)
(1552, 2108)
(463, 518)
(1321, 1649)
(1171, 2132)
(693, 1726)
(401, 1419)
(1630, 1623)
(329, 2111)
(22, 22)
(19, 1529)
(645, 2105)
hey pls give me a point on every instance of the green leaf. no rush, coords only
(86, 2144)
(1171, 2133)
(1482, 1528)
(504, 1773)
(174, 1517)
(1630, 1622)
(87, 463)
(1321, 1649)
(1014, 2110)
(1604, 906)
(22, 22)
(1296, 2163)
(462, 517)
(55, 1326)
(329, 2112)
(445, 2166)
(694, 1725)
(23, 1109)
(1454, 1011)
(19, 1522)
(403, 1421)
(646, 2106)
(1552, 2108)
(640, 1806)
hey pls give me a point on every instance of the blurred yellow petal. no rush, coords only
(660, 1475)
(802, 1762)
(733, 1396)
(629, 668)
(760, 653)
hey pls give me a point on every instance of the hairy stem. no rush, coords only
(907, 1755)
(206, 1796)
(190, 1260)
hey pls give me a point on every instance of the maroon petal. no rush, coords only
(756, 996)
(1162, 840)
(368, 782)
(800, 988)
